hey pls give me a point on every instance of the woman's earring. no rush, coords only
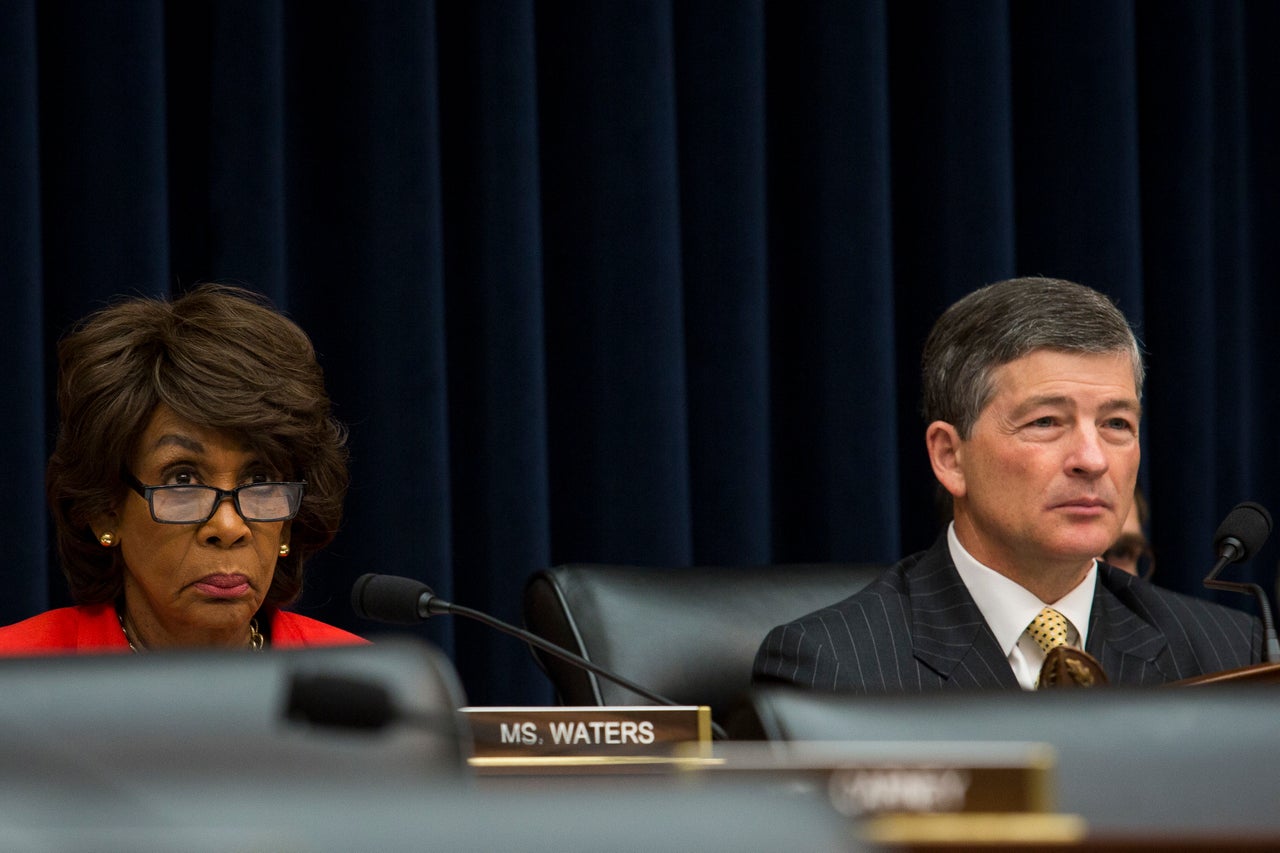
(284, 549)
(107, 539)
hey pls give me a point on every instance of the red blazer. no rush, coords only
(96, 629)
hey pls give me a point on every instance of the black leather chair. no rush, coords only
(688, 634)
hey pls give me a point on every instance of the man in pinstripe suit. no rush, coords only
(1032, 392)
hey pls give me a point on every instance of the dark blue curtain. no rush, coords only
(646, 282)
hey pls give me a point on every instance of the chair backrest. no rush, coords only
(689, 634)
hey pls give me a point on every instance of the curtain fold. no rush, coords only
(102, 153)
(952, 120)
(720, 116)
(496, 340)
(830, 277)
(226, 103)
(617, 412)
(22, 341)
(1076, 144)
(646, 282)
(365, 278)
(1182, 201)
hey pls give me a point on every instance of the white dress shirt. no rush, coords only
(1009, 608)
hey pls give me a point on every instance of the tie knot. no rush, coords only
(1048, 629)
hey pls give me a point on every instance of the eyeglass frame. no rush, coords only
(146, 492)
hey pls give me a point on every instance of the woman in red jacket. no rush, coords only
(197, 467)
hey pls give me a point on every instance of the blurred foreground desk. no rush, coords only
(1173, 760)
(1142, 768)
(888, 796)
(1109, 769)
(364, 748)
(321, 751)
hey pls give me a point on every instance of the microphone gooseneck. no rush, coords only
(1238, 538)
(402, 601)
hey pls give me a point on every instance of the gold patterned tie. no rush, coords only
(1048, 629)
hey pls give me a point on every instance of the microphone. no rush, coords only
(393, 599)
(1242, 532)
(404, 601)
(1238, 538)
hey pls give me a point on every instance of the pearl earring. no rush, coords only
(284, 549)
(107, 539)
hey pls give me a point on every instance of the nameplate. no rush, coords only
(919, 777)
(590, 733)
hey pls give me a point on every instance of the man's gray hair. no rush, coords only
(1004, 321)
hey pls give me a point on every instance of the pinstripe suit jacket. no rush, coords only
(916, 628)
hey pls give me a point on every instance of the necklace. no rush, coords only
(256, 640)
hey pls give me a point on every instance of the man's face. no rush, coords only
(1046, 477)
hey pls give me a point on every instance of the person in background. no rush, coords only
(1131, 551)
(1032, 400)
(197, 467)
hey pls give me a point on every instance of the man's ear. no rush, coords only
(946, 456)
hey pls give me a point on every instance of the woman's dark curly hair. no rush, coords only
(220, 357)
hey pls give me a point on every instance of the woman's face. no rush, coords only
(193, 584)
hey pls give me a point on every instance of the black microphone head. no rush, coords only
(1245, 529)
(388, 598)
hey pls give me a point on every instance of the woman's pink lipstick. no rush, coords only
(223, 586)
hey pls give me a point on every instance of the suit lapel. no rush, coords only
(1127, 646)
(949, 635)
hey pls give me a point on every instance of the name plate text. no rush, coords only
(610, 731)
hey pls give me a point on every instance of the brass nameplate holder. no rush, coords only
(868, 779)
(538, 737)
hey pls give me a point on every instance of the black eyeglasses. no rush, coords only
(197, 504)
